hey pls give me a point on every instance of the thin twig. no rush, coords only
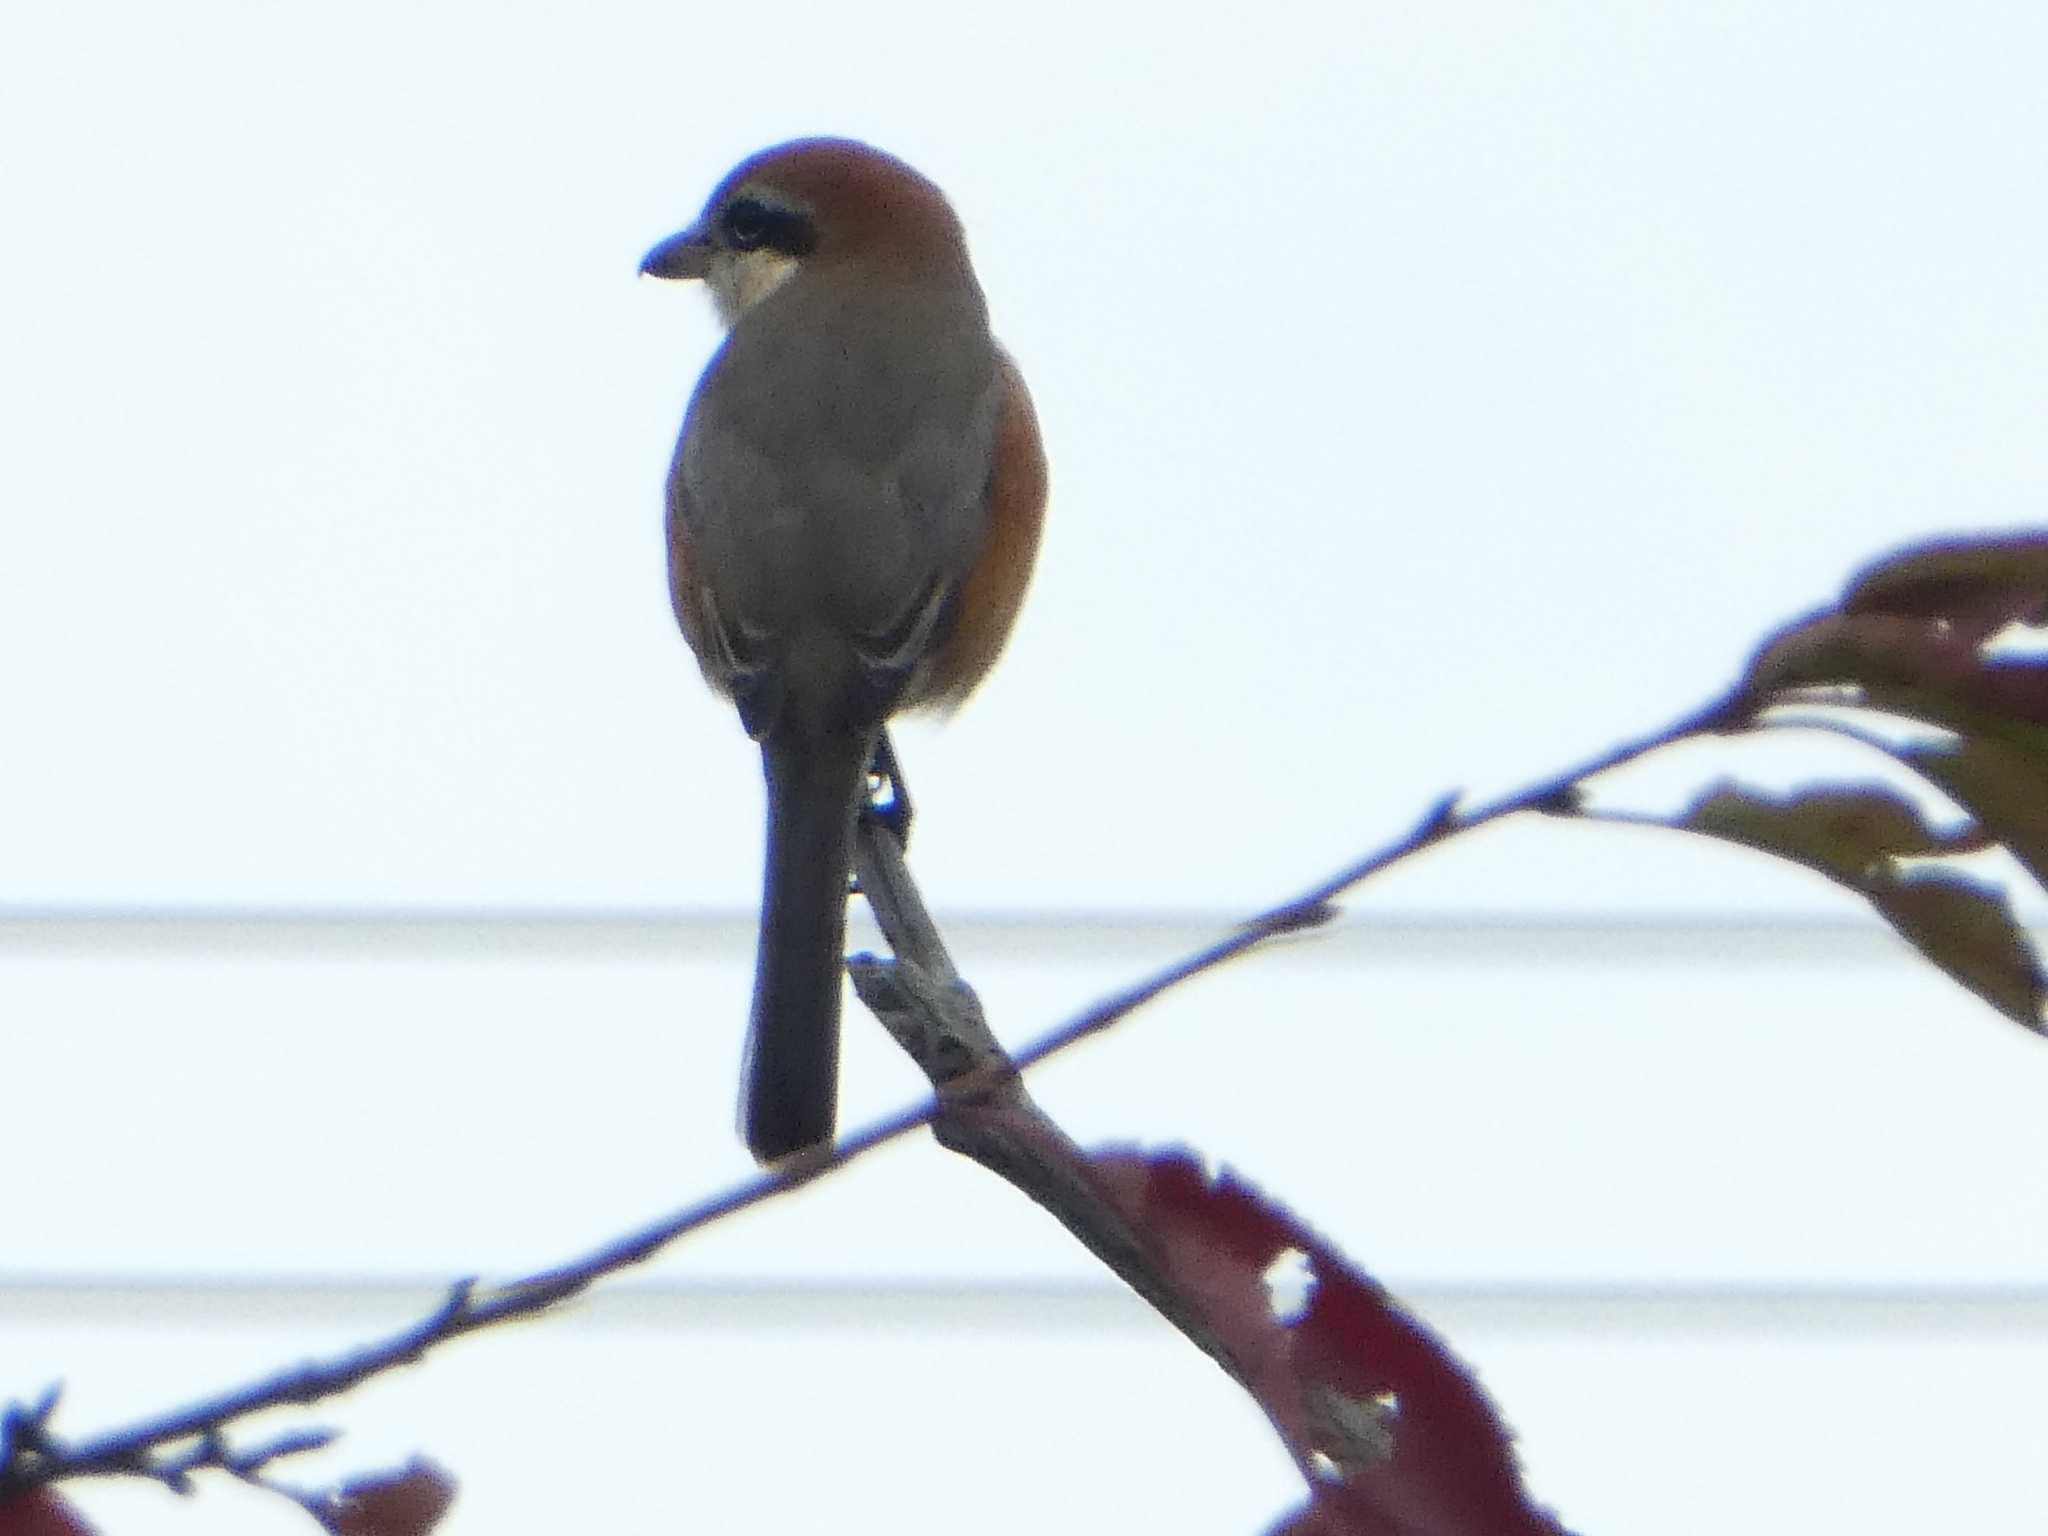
(1444, 820)
(30, 1455)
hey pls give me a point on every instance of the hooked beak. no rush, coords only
(681, 256)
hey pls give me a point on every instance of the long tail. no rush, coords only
(792, 1069)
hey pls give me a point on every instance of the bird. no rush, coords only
(854, 510)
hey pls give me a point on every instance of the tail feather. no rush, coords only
(792, 1069)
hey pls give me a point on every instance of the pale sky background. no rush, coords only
(1435, 394)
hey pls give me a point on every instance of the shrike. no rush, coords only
(853, 513)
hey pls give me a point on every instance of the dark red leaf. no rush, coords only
(41, 1512)
(1909, 635)
(1833, 650)
(407, 1502)
(1979, 584)
(2013, 688)
(1394, 1434)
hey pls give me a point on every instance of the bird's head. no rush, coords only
(813, 205)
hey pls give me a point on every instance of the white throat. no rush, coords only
(741, 279)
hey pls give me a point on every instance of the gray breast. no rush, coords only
(832, 471)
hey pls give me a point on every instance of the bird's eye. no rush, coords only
(748, 224)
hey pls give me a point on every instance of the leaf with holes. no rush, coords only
(1394, 1435)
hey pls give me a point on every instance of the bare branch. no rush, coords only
(981, 1111)
(1443, 821)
